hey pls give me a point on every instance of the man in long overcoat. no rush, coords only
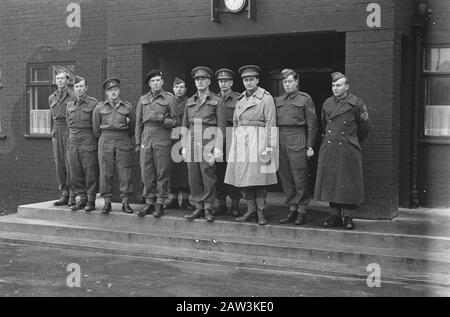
(339, 174)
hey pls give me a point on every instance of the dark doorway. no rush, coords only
(315, 55)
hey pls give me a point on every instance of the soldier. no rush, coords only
(113, 124)
(204, 115)
(82, 146)
(179, 183)
(252, 146)
(58, 104)
(297, 122)
(339, 174)
(229, 98)
(153, 140)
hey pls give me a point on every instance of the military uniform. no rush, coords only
(297, 122)
(58, 106)
(153, 134)
(229, 100)
(339, 173)
(201, 113)
(82, 148)
(114, 125)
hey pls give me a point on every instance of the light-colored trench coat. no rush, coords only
(254, 129)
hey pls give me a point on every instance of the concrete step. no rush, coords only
(402, 234)
(283, 265)
(132, 230)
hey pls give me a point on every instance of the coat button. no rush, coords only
(329, 131)
(340, 143)
(342, 133)
(328, 142)
(330, 121)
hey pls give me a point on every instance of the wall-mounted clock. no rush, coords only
(235, 5)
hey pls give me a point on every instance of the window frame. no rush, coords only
(50, 83)
(425, 75)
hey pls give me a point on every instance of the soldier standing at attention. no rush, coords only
(153, 140)
(204, 116)
(339, 174)
(113, 124)
(82, 146)
(229, 97)
(297, 122)
(252, 146)
(179, 183)
(58, 105)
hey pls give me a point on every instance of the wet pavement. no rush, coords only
(27, 270)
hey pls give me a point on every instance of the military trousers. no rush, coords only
(115, 150)
(155, 163)
(202, 177)
(83, 164)
(293, 170)
(60, 135)
(224, 190)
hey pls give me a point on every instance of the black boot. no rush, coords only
(333, 221)
(248, 216)
(80, 205)
(90, 206)
(197, 213)
(301, 219)
(209, 215)
(172, 203)
(291, 216)
(63, 200)
(126, 208)
(147, 210)
(235, 208)
(107, 208)
(72, 201)
(348, 223)
(262, 220)
(159, 211)
(186, 205)
(221, 210)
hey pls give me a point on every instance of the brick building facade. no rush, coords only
(128, 38)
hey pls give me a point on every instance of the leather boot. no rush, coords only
(209, 215)
(262, 220)
(80, 205)
(348, 223)
(159, 211)
(251, 212)
(172, 203)
(126, 208)
(90, 206)
(197, 213)
(63, 200)
(72, 200)
(186, 205)
(291, 216)
(107, 208)
(235, 208)
(222, 208)
(147, 210)
(301, 219)
(333, 221)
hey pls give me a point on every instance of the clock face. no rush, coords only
(235, 5)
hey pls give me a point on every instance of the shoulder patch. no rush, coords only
(304, 94)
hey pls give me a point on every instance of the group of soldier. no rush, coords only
(91, 139)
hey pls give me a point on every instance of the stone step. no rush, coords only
(300, 266)
(137, 232)
(424, 236)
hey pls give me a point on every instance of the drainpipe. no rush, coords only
(422, 14)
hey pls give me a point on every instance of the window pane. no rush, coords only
(40, 74)
(40, 122)
(39, 97)
(437, 108)
(437, 60)
(438, 91)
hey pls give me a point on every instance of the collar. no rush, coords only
(291, 95)
(119, 102)
(197, 95)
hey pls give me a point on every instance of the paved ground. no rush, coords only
(41, 271)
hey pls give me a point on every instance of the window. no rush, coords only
(40, 85)
(437, 92)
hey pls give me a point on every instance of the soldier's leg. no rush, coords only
(148, 171)
(77, 174)
(286, 178)
(299, 172)
(106, 160)
(124, 164)
(162, 161)
(222, 188)
(250, 197)
(209, 176)
(196, 183)
(91, 169)
(261, 195)
(59, 155)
